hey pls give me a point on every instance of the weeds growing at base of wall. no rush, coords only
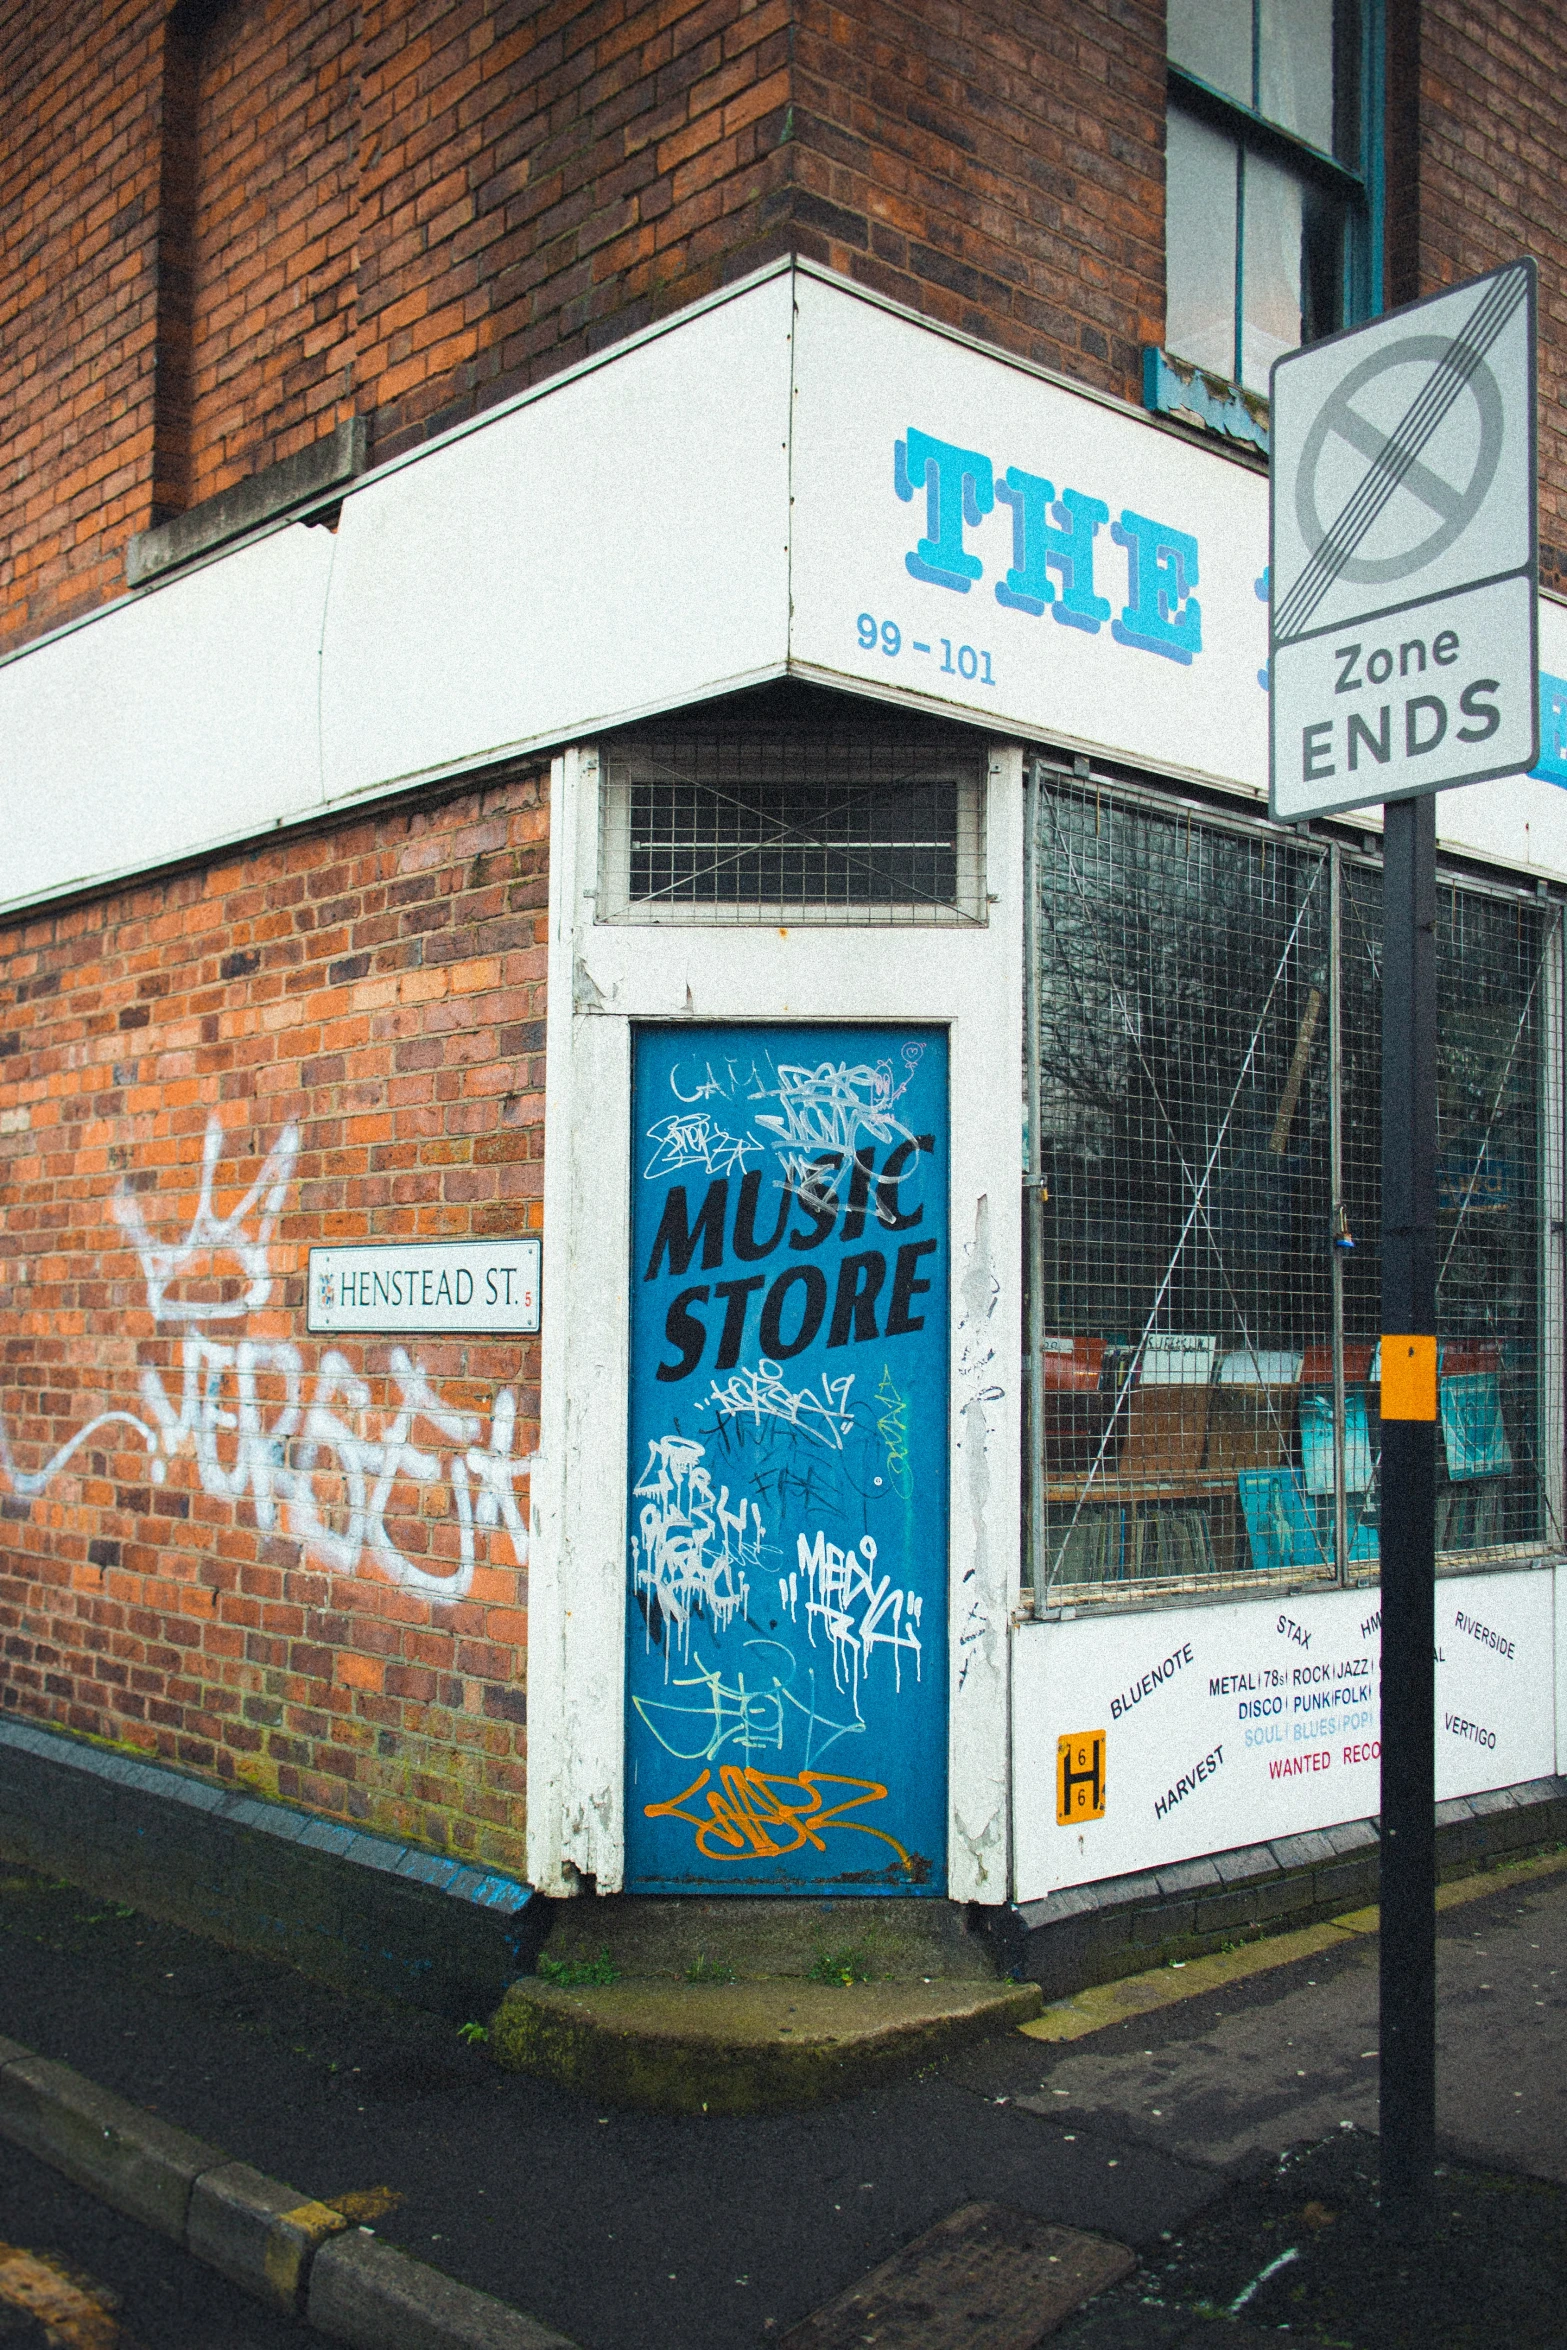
(710, 1970)
(843, 1967)
(571, 1974)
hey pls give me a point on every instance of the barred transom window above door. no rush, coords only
(791, 829)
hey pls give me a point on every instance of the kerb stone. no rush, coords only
(371, 2295)
(143, 2166)
(258, 2232)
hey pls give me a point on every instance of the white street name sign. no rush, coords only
(1402, 564)
(426, 1286)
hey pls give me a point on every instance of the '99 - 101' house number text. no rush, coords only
(961, 661)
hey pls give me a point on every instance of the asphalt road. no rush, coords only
(627, 2230)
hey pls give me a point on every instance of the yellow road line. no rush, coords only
(73, 2318)
(1113, 2003)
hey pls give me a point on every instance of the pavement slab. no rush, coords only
(1259, 2081)
(1303, 2062)
(1296, 2249)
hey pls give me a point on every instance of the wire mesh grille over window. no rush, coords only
(735, 831)
(1204, 1096)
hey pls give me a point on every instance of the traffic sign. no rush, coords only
(1402, 565)
(1402, 660)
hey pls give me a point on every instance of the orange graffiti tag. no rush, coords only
(757, 1813)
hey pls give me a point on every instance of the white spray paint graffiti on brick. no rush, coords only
(29, 1483)
(214, 1236)
(275, 1463)
(857, 1613)
(693, 1555)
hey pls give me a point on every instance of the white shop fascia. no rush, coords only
(792, 478)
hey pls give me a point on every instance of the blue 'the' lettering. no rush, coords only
(1162, 615)
(1553, 729)
(959, 488)
(1040, 545)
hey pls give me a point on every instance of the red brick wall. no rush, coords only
(411, 208)
(78, 226)
(359, 1013)
(537, 180)
(272, 245)
(1491, 187)
(999, 166)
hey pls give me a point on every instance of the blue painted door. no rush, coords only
(786, 1672)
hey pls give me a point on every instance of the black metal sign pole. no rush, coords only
(1408, 1530)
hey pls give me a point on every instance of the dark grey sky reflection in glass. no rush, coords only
(1200, 223)
(1212, 39)
(1295, 67)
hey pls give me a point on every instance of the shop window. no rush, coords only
(1203, 1082)
(727, 829)
(1271, 183)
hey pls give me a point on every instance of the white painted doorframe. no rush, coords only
(602, 977)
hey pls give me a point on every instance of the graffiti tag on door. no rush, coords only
(788, 1445)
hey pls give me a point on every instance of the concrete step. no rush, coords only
(886, 1938)
(667, 2046)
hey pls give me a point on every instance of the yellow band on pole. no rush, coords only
(1408, 1377)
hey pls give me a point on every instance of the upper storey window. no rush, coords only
(1271, 178)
